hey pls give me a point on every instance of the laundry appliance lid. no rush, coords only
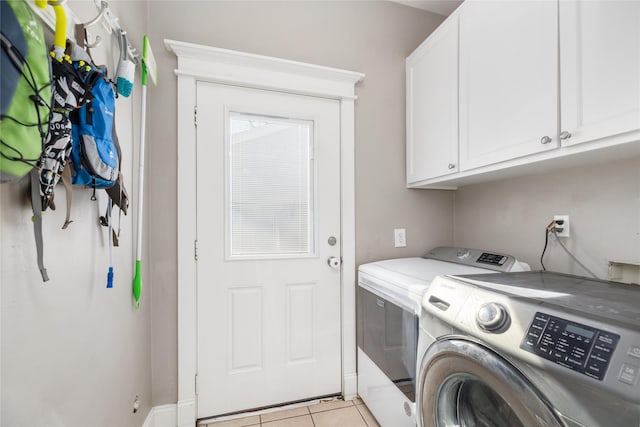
(415, 274)
(597, 298)
(404, 280)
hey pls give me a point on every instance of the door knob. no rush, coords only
(333, 262)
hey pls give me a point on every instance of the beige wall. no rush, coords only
(373, 37)
(74, 353)
(603, 202)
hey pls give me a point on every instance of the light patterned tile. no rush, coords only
(329, 405)
(304, 421)
(238, 422)
(287, 413)
(344, 417)
(367, 415)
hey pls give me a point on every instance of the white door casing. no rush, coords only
(268, 201)
(203, 63)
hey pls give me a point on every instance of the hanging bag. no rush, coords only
(94, 153)
(25, 90)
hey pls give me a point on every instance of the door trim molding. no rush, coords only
(205, 63)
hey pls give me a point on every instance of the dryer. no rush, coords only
(389, 296)
(528, 350)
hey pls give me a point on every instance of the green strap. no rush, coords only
(36, 206)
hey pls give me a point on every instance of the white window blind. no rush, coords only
(271, 186)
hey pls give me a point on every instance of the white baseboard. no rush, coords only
(162, 416)
(186, 416)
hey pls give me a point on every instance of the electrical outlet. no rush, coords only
(400, 237)
(562, 222)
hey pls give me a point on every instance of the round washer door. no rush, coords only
(463, 384)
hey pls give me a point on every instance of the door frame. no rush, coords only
(215, 65)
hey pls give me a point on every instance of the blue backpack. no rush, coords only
(95, 152)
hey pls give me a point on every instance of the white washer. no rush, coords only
(388, 316)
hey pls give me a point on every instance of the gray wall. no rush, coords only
(603, 202)
(372, 37)
(74, 353)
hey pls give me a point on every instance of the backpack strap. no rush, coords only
(66, 181)
(36, 206)
(117, 193)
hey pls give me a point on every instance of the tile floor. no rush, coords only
(332, 413)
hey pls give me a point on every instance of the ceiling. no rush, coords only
(441, 7)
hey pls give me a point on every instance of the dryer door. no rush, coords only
(465, 384)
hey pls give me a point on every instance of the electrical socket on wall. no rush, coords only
(400, 237)
(561, 222)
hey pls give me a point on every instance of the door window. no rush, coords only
(271, 186)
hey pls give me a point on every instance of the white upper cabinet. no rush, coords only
(542, 85)
(600, 69)
(432, 105)
(508, 80)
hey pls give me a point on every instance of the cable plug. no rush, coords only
(561, 225)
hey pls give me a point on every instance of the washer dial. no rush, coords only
(492, 316)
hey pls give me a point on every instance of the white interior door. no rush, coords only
(268, 222)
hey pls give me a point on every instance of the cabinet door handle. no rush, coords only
(565, 135)
(545, 140)
(451, 166)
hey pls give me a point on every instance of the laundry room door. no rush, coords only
(268, 236)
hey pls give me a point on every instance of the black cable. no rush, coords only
(23, 67)
(546, 241)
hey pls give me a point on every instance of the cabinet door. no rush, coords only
(508, 80)
(432, 105)
(600, 69)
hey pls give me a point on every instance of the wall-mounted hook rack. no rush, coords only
(104, 13)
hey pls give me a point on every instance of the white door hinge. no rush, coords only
(195, 250)
(196, 383)
(195, 116)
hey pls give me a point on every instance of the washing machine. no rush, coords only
(529, 349)
(389, 296)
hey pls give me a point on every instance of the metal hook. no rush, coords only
(103, 8)
(97, 42)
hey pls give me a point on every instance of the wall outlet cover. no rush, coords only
(400, 237)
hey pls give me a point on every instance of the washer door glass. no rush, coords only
(466, 401)
(464, 384)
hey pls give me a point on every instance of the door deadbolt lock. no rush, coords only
(332, 241)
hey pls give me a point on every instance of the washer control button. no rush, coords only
(634, 351)
(629, 374)
(462, 254)
(491, 316)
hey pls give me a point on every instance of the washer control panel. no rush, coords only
(570, 344)
(493, 259)
(476, 258)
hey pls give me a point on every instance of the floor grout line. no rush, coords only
(346, 404)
